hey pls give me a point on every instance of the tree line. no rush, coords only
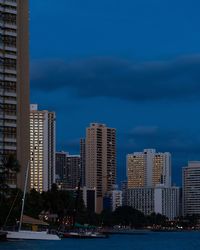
(66, 207)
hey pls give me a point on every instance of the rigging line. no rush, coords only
(11, 209)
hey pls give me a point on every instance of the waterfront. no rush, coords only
(150, 241)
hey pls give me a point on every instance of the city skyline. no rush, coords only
(136, 62)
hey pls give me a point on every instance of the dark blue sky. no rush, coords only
(132, 64)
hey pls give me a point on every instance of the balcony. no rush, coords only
(10, 10)
(10, 78)
(9, 2)
(11, 47)
(10, 33)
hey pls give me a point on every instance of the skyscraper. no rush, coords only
(14, 84)
(191, 188)
(148, 168)
(61, 165)
(73, 168)
(82, 161)
(42, 148)
(100, 161)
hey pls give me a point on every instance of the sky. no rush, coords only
(130, 64)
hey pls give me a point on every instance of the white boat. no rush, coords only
(28, 234)
(31, 235)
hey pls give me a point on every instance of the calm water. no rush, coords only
(151, 241)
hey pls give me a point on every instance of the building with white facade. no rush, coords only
(141, 199)
(148, 168)
(191, 188)
(167, 201)
(42, 148)
(161, 199)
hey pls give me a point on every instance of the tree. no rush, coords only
(128, 216)
(8, 170)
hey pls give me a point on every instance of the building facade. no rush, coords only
(61, 165)
(141, 199)
(14, 85)
(82, 161)
(124, 187)
(73, 171)
(191, 188)
(42, 148)
(167, 201)
(148, 168)
(100, 160)
(113, 200)
(161, 199)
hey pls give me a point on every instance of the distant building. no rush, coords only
(124, 187)
(113, 200)
(82, 161)
(73, 171)
(167, 201)
(61, 165)
(141, 199)
(100, 160)
(42, 148)
(191, 188)
(148, 168)
(161, 199)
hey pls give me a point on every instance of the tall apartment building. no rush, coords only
(61, 165)
(148, 168)
(14, 84)
(82, 159)
(100, 160)
(42, 148)
(73, 171)
(191, 188)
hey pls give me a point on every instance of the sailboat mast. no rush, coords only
(24, 195)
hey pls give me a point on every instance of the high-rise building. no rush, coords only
(61, 165)
(82, 159)
(100, 160)
(191, 188)
(42, 148)
(148, 168)
(14, 85)
(73, 171)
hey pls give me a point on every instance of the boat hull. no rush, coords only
(3, 236)
(31, 235)
(84, 235)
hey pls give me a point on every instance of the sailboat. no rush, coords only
(28, 234)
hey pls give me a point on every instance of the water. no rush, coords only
(150, 241)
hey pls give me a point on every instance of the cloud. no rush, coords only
(144, 130)
(122, 79)
(183, 143)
